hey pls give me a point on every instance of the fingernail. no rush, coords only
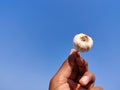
(84, 80)
(72, 50)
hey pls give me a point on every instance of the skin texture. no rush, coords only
(73, 75)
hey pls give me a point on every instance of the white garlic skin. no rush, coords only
(82, 42)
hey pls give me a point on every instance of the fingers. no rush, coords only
(73, 85)
(87, 80)
(66, 69)
(82, 64)
(76, 65)
(75, 62)
(75, 72)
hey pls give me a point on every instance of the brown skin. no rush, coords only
(71, 74)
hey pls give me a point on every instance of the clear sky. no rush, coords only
(36, 37)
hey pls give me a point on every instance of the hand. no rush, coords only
(73, 75)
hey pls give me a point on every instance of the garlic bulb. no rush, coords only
(82, 42)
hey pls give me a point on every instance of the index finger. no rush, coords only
(66, 69)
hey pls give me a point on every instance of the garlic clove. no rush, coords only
(82, 42)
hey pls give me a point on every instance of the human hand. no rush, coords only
(73, 75)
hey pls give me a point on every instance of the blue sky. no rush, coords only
(36, 37)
